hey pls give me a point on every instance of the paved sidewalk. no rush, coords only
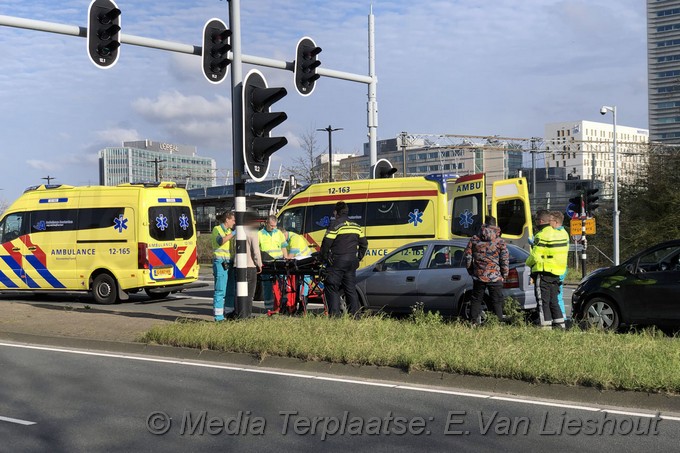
(63, 320)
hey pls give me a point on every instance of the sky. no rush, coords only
(469, 67)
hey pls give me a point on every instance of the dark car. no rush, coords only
(433, 273)
(643, 290)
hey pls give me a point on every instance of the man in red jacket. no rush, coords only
(487, 260)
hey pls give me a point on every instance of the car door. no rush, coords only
(12, 228)
(652, 295)
(393, 284)
(442, 282)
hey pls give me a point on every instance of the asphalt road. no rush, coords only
(61, 400)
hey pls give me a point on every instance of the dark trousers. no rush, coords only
(546, 288)
(245, 309)
(496, 294)
(341, 276)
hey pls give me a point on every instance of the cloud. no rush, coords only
(190, 119)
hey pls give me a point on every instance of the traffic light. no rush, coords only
(216, 47)
(103, 33)
(306, 62)
(258, 121)
(383, 169)
(577, 203)
(591, 206)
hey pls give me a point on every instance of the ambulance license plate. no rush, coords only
(162, 272)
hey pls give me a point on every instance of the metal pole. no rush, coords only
(616, 197)
(372, 93)
(237, 154)
(330, 154)
(330, 131)
(533, 168)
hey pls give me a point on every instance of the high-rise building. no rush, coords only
(146, 160)
(663, 70)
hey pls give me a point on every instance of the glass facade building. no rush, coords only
(143, 161)
(663, 70)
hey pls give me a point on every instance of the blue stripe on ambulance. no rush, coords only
(14, 265)
(44, 273)
(6, 281)
(165, 259)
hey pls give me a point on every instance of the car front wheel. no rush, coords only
(601, 313)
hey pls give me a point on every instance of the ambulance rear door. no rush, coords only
(467, 205)
(510, 206)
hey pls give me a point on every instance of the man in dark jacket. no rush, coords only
(343, 246)
(487, 260)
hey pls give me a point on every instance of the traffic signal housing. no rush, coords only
(590, 200)
(258, 122)
(306, 62)
(577, 203)
(103, 33)
(383, 169)
(215, 53)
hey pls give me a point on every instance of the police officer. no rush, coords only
(548, 261)
(343, 246)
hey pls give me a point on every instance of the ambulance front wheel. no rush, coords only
(104, 289)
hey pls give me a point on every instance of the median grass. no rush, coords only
(645, 361)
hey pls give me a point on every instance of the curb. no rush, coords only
(587, 396)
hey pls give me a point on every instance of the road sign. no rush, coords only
(576, 226)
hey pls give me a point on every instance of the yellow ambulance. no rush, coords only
(110, 241)
(396, 211)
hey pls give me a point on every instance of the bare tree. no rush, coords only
(302, 167)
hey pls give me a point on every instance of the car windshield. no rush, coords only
(407, 258)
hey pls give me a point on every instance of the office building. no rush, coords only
(147, 160)
(585, 150)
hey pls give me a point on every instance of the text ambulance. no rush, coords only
(110, 241)
(396, 211)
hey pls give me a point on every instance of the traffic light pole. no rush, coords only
(237, 152)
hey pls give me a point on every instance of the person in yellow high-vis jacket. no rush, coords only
(548, 261)
(222, 244)
(273, 246)
(297, 248)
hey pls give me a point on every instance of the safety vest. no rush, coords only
(550, 251)
(221, 251)
(297, 245)
(272, 243)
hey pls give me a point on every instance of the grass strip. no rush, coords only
(644, 361)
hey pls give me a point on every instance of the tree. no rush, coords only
(649, 206)
(302, 167)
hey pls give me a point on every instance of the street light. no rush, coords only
(603, 111)
(330, 131)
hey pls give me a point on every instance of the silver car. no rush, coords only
(433, 272)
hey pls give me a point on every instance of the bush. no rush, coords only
(204, 249)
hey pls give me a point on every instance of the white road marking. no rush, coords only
(16, 420)
(245, 369)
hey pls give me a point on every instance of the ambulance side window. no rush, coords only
(12, 226)
(393, 213)
(320, 216)
(54, 220)
(92, 218)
